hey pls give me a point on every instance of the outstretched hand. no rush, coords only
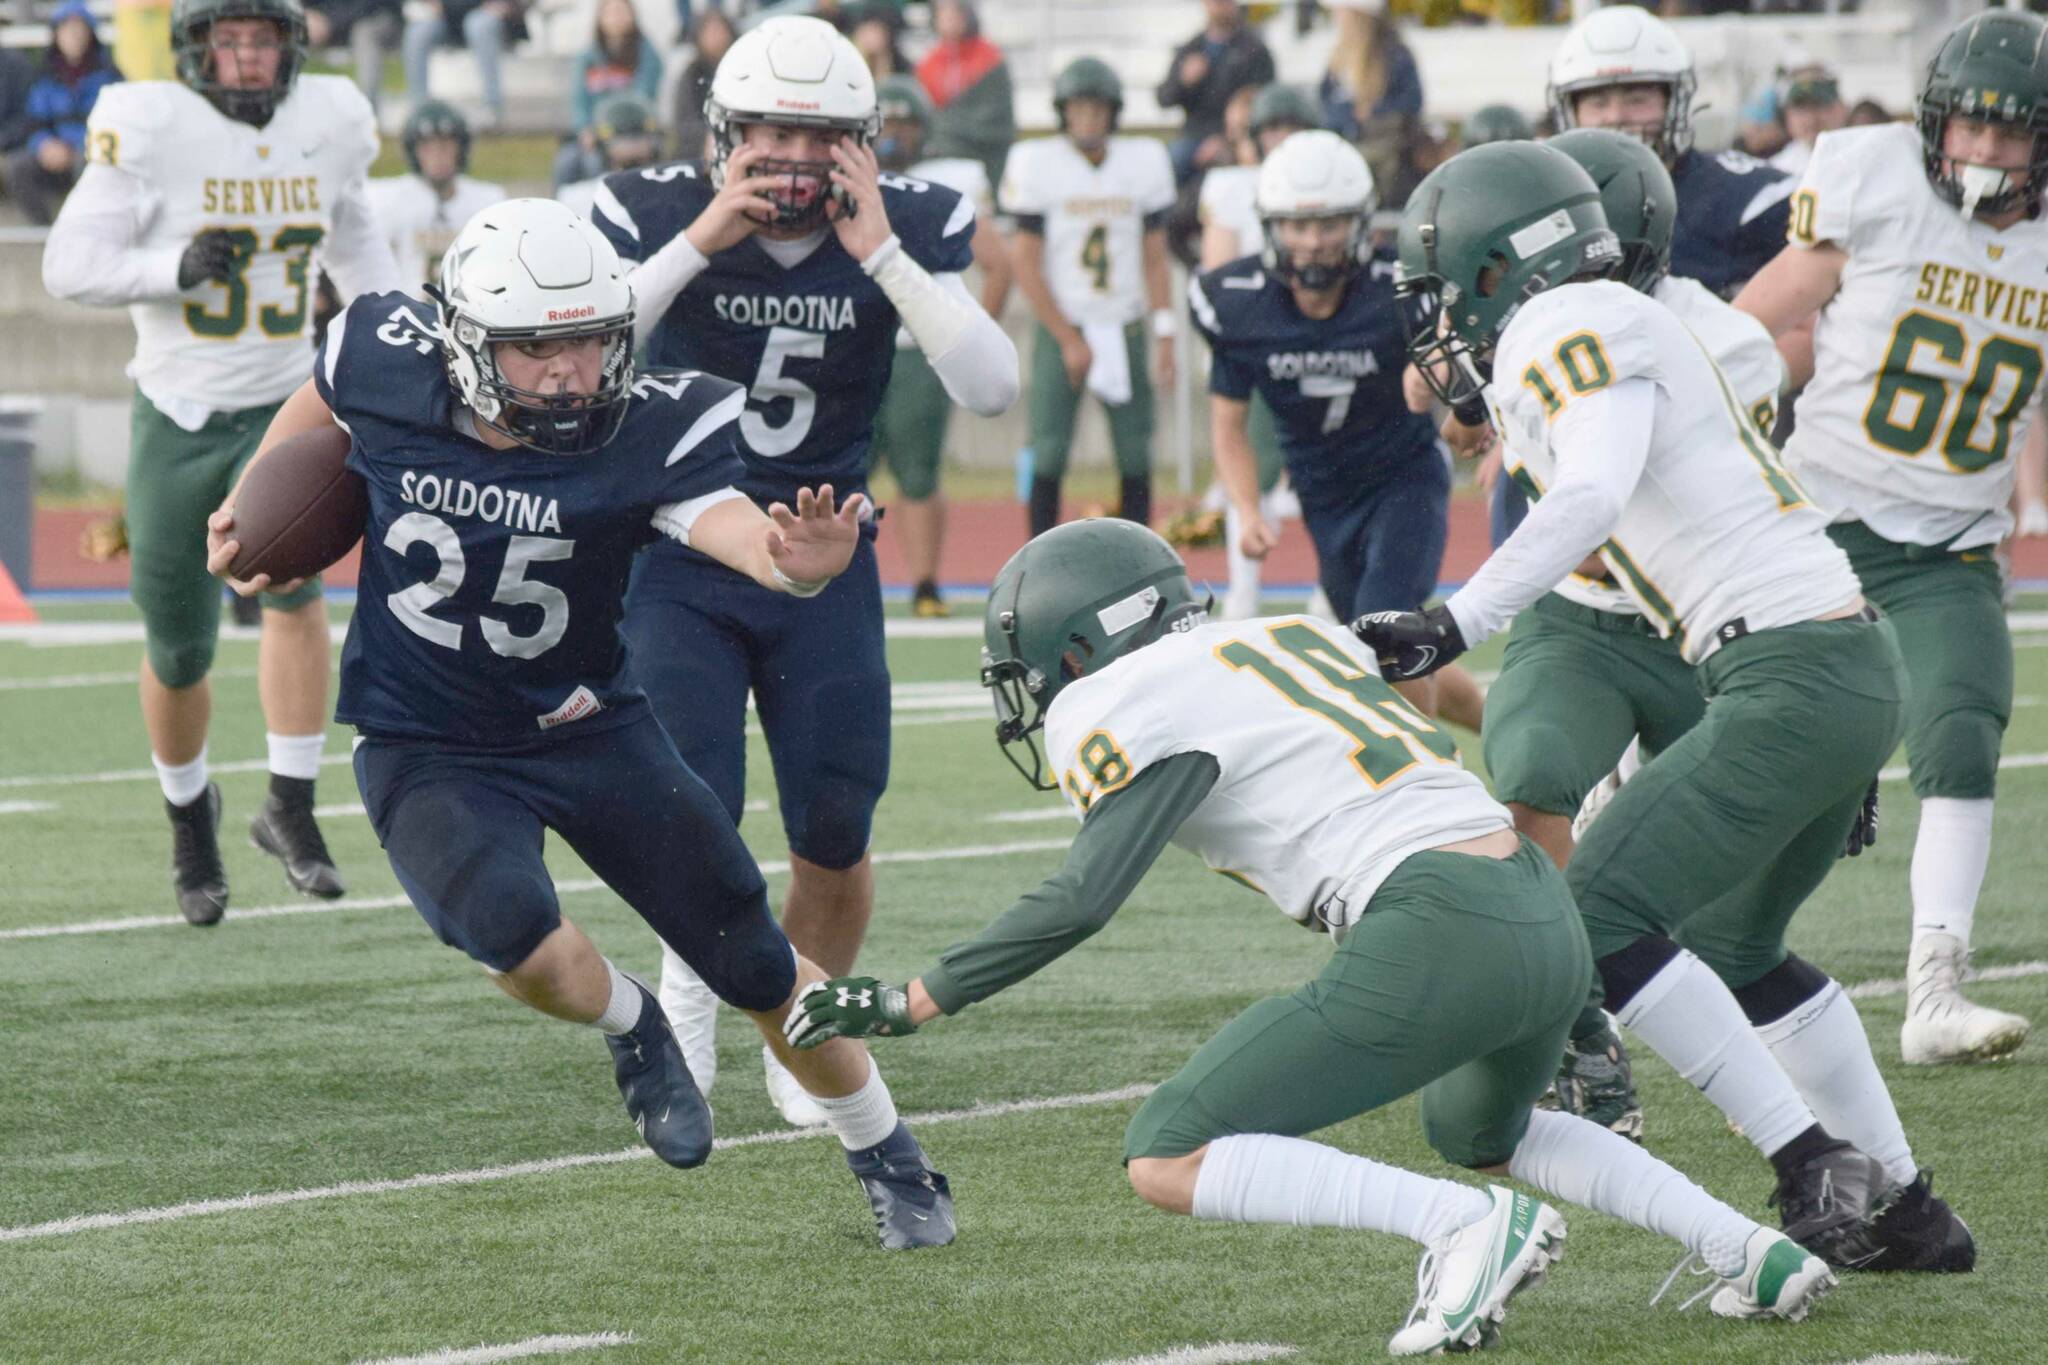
(816, 542)
(847, 1007)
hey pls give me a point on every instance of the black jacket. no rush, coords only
(1245, 61)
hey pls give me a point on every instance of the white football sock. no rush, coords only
(1689, 1018)
(1263, 1178)
(296, 755)
(1823, 1048)
(1950, 855)
(182, 783)
(1319, 605)
(865, 1117)
(623, 1010)
(1241, 598)
(692, 1012)
(1631, 761)
(1573, 1159)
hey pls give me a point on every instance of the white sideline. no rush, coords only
(26, 807)
(2018, 971)
(199, 1208)
(570, 887)
(518, 1350)
(1222, 1353)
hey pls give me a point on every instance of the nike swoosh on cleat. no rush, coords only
(920, 1217)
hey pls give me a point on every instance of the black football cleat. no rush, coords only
(1830, 1203)
(198, 878)
(912, 1203)
(661, 1098)
(286, 830)
(1921, 1232)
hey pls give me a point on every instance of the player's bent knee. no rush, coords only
(1958, 758)
(748, 964)
(179, 666)
(1780, 990)
(1624, 973)
(1166, 1182)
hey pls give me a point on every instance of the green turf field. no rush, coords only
(316, 1063)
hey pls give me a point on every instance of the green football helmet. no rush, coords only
(431, 120)
(902, 100)
(1637, 194)
(1087, 78)
(1992, 67)
(1482, 234)
(192, 23)
(1496, 123)
(1279, 104)
(1072, 601)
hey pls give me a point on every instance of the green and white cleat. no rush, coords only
(1465, 1280)
(1779, 1279)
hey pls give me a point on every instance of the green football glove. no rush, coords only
(847, 1007)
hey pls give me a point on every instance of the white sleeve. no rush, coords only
(1603, 441)
(657, 280)
(358, 253)
(970, 353)
(676, 518)
(91, 255)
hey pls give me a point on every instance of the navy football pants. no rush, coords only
(464, 831)
(1382, 550)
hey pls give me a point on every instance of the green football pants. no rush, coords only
(1055, 405)
(910, 429)
(1461, 980)
(176, 478)
(1723, 835)
(1948, 609)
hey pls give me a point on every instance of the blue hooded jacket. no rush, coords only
(63, 94)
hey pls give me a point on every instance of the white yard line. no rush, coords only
(517, 1350)
(1916, 1358)
(25, 807)
(571, 887)
(343, 810)
(1898, 774)
(1222, 1353)
(2018, 971)
(124, 678)
(78, 634)
(1030, 815)
(349, 1189)
(240, 765)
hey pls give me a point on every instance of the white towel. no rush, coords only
(1109, 373)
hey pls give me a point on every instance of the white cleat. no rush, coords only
(1779, 1279)
(792, 1101)
(1942, 1026)
(1465, 1280)
(692, 1012)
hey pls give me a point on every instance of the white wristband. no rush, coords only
(797, 587)
(1164, 325)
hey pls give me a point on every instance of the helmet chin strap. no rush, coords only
(1979, 183)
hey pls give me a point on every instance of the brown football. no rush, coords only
(300, 508)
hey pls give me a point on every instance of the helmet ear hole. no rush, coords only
(1490, 275)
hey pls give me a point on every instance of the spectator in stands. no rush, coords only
(1758, 129)
(619, 61)
(1206, 71)
(710, 36)
(75, 69)
(974, 113)
(877, 34)
(16, 76)
(486, 27)
(1867, 112)
(1372, 74)
(627, 139)
(1810, 102)
(367, 28)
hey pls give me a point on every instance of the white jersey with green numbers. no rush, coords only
(1746, 356)
(1714, 530)
(1229, 199)
(1927, 359)
(420, 223)
(1327, 780)
(230, 346)
(1094, 219)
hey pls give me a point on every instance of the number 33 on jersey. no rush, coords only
(1928, 359)
(1309, 743)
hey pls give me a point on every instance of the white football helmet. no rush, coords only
(1624, 45)
(800, 72)
(535, 270)
(1315, 174)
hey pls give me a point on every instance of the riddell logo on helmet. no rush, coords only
(781, 103)
(571, 314)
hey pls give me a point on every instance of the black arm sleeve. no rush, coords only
(1123, 835)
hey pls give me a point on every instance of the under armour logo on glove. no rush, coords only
(1410, 644)
(847, 1007)
(860, 998)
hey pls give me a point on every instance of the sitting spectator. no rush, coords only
(486, 27)
(974, 113)
(420, 213)
(710, 37)
(877, 34)
(16, 76)
(368, 28)
(75, 69)
(627, 139)
(619, 61)
(1810, 102)
(1205, 72)
(1372, 73)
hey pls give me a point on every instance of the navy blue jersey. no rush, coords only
(493, 580)
(1334, 385)
(812, 342)
(1731, 218)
